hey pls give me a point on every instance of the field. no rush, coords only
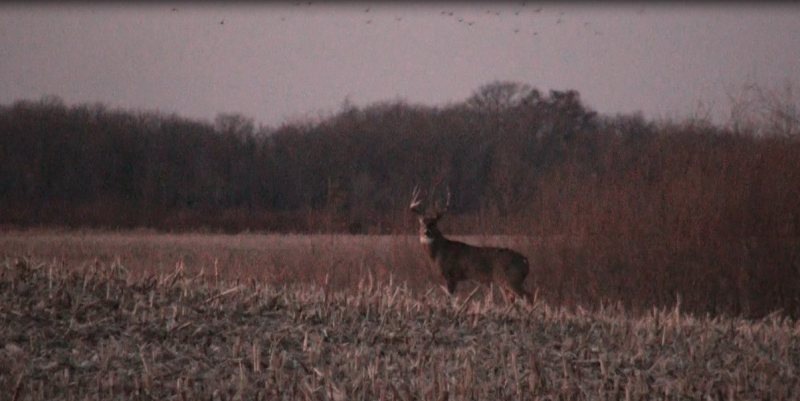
(140, 315)
(341, 260)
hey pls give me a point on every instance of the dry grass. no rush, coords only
(94, 330)
(341, 260)
(641, 273)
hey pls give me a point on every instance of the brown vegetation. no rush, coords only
(95, 332)
(659, 210)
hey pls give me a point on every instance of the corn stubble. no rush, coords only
(98, 332)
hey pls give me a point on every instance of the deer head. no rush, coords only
(428, 232)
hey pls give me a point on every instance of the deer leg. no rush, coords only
(520, 292)
(505, 293)
(451, 285)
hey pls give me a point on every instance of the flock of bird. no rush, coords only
(469, 22)
(458, 18)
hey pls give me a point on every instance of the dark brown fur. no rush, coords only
(458, 261)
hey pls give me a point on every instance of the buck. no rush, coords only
(457, 261)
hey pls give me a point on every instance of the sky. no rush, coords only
(287, 62)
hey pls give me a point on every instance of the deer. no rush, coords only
(458, 261)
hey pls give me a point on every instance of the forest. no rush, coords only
(87, 166)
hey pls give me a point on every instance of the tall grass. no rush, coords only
(573, 271)
(711, 218)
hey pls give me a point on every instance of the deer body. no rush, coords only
(457, 261)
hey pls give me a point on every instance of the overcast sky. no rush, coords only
(283, 62)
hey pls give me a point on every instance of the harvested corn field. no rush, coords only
(97, 332)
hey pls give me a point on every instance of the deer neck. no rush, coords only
(431, 244)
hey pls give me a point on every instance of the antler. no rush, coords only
(416, 203)
(439, 213)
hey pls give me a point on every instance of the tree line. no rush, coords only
(86, 165)
(514, 159)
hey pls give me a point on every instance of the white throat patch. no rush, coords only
(424, 239)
